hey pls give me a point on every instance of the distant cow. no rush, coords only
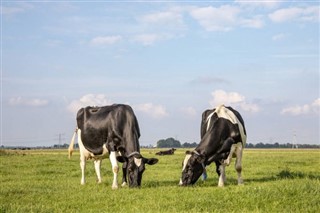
(166, 152)
(114, 131)
(223, 136)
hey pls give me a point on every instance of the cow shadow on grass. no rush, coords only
(285, 174)
(281, 175)
(213, 181)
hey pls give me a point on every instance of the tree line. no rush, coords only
(173, 143)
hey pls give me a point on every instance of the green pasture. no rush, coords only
(46, 181)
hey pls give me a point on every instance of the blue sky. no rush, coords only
(169, 60)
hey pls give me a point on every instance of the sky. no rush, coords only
(169, 60)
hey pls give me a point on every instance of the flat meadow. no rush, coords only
(275, 180)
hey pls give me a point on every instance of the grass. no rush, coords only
(46, 181)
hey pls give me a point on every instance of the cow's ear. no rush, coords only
(188, 152)
(122, 159)
(150, 161)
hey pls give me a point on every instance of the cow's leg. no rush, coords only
(124, 174)
(222, 177)
(218, 167)
(238, 164)
(82, 158)
(97, 166)
(229, 158)
(115, 169)
(83, 168)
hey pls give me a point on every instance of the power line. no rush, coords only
(294, 140)
(60, 138)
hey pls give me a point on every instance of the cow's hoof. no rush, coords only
(114, 187)
(124, 184)
(220, 184)
(240, 181)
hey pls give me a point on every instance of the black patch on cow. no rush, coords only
(216, 141)
(115, 125)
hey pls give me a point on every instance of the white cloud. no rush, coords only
(255, 22)
(279, 37)
(313, 108)
(88, 100)
(216, 19)
(172, 17)
(295, 14)
(233, 99)
(105, 40)
(34, 102)
(224, 18)
(255, 3)
(150, 39)
(155, 111)
(19, 7)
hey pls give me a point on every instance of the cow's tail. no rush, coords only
(70, 149)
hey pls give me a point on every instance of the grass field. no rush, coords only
(46, 181)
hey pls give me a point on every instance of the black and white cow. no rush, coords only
(223, 136)
(111, 131)
(166, 152)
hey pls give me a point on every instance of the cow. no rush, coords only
(166, 152)
(223, 136)
(111, 131)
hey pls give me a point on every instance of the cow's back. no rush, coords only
(106, 125)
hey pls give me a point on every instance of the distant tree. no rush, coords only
(189, 145)
(277, 145)
(249, 145)
(168, 143)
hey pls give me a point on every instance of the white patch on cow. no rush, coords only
(97, 167)
(185, 161)
(223, 112)
(209, 120)
(236, 149)
(138, 161)
(222, 177)
(86, 155)
(233, 153)
(115, 169)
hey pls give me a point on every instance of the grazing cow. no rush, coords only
(223, 136)
(114, 131)
(166, 152)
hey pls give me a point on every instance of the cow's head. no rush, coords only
(135, 166)
(193, 167)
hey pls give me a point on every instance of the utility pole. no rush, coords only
(60, 139)
(294, 140)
